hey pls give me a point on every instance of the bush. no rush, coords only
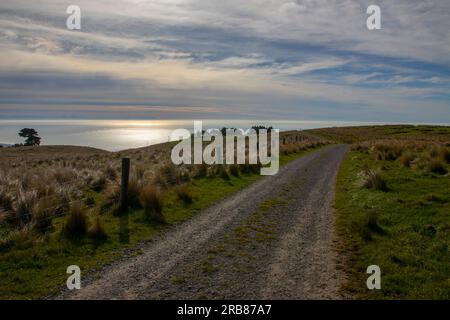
(374, 180)
(152, 202)
(184, 194)
(437, 166)
(97, 232)
(76, 225)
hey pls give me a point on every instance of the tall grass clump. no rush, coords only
(234, 170)
(183, 194)
(406, 158)
(445, 154)
(368, 226)
(374, 180)
(97, 232)
(42, 216)
(20, 238)
(221, 171)
(167, 175)
(76, 225)
(152, 202)
(436, 166)
(201, 171)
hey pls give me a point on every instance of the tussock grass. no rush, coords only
(183, 194)
(97, 232)
(76, 224)
(153, 204)
(234, 170)
(404, 231)
(201, 171)
(437, 166)
(374, 180)
(38, 244)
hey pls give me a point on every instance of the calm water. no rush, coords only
(116, 135)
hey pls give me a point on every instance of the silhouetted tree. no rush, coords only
(31, 136)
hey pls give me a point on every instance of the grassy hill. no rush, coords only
(59, 206)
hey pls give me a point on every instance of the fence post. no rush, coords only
(124, 183)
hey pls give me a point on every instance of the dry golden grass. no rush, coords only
(38, 183)
(152, 202)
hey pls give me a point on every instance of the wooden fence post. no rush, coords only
(124, 184)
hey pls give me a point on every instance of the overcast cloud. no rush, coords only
(279, 59)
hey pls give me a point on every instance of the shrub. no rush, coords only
(374, 180)
(437, 166)
(184, 194)
(97, 232)
(76, 224)
(152, 202)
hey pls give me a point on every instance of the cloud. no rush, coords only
(229, 55)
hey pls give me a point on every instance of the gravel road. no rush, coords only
(273, 240)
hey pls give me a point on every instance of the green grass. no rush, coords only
(39, 269)
(405, 231)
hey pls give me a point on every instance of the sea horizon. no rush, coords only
(117, 135)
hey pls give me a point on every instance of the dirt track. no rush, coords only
(273, 240)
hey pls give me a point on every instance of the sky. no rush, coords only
(226, 59)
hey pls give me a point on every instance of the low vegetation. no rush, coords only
(393, 204)
(60, 206)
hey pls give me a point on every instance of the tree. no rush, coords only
(31, 137)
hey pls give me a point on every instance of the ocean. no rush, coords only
(115, 135)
